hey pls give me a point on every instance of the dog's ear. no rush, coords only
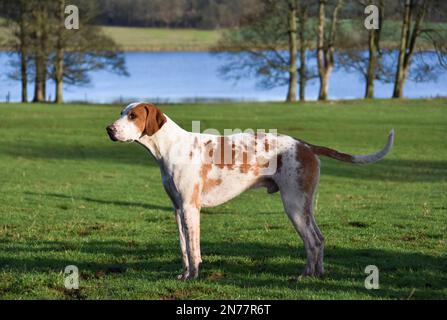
(155, 119)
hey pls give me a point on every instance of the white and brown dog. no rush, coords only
(203, 170)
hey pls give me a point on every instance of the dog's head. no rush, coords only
(135, 121)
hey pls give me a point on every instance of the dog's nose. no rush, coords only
(111, 131)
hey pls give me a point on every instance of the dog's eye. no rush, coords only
(132, 116)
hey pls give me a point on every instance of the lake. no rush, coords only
(183, 76)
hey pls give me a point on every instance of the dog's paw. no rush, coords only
(319, 273)
(192, 276)
(183, 276)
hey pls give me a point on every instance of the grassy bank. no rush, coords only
(149, 39)
(71, 196)
(163, 39)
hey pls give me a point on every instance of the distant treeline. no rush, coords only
(212, 14)
(205, 14)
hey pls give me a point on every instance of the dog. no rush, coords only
(205, 170)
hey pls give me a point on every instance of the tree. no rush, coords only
(23, 49)
(59, 59)
(304, 46)
(18, 23)
(326, 46)
(352, 55)
(40, 35)
(412, 29)
(49, 51)
(293, 48)
(373, 51)
(266, 47)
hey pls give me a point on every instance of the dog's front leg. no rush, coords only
(191, 224)
(182, 238)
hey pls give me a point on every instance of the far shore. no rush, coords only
(140, 39)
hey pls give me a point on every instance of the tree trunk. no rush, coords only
(325, 51)
(404, 36)
(60, 56)
(23, 53)
(293, 74)
(322, 95)
(372, 62)
(40, 60)
(39, 95)
(408, 43)
(44, 78)
(324, 84)
(373, 46)
(303, 50)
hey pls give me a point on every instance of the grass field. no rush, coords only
(163, 39)
(68, 195)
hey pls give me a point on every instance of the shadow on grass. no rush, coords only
(389, 170)
(386, 170)
(241, 264)
(102, 201)
(108, 152)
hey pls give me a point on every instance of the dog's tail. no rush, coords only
(356, 159)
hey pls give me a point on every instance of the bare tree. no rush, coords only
(48, 51)
(59, 59)
(23, 44)
(373, 50)
(326, 46)
(40, 35)
(267, 45)
(412, 29)
(293, 48)
(304, 47)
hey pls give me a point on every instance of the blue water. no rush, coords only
(179, 76)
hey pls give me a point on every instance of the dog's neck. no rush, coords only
(160, 142)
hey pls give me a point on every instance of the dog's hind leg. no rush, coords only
(319, 268)
(294, 205)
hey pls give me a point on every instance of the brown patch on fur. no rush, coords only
(207, 183)
(245, 166)
(243, 156)
(209, 151)
(140, 114)
(266, 145)
(195, 198)
(221, 158)
(307, 176)
(204, 169)
(210, 184)
(191, 154)
(328, 152)
(148, 118)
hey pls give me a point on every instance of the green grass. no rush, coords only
(149, 39)
(71, 196)
(159, 39)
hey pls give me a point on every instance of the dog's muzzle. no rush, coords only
(111, 131)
